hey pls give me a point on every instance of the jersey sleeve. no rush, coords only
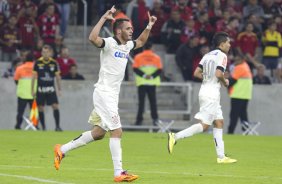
(131, 44)
(222, 62)
(107, 43)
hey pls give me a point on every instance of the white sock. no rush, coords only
(115, 148)
(82, 140)
(219, 143)
(194, 129)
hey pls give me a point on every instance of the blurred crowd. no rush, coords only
(184, 27)
(27, 25)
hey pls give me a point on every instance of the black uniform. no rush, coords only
(46, 71)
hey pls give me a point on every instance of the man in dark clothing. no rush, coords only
(171, 32)
(73, 75)
(260, 78)
(46, 70)
(184, 57)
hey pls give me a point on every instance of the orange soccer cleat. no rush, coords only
(125, 177)
(58, 156)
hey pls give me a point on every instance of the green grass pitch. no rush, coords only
(27, 157)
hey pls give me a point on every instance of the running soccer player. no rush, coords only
(211, 71)
(113, 59)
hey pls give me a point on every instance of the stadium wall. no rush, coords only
(76, 105)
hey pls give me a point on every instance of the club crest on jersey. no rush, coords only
(121, 55)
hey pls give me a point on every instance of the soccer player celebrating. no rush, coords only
(211, 71)
(113, 59)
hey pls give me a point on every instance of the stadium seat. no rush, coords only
(250, 128)
(29, 124)
(164, 125)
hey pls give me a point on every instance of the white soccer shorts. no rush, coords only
(105, 112)
(210, 110)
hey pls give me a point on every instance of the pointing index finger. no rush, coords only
(149, 14)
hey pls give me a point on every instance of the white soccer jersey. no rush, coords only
(113, 60)
(211, 61)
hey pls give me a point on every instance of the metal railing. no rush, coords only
(187, 92)
(84, 23)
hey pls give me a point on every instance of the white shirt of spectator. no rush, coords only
(211, 86)
(113, 60)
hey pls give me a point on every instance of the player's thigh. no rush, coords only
(40, 99)
(208, 110)
(51, 99)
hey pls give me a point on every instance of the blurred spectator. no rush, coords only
(189, 30)
(270, 9)
(252, 18)
(184, 10)
(24, 5)
(240, 92)
(247, 44)
(234, 8)
(201, 6)
(23, 77)
(4, 8)
(48, 24)
(44, 5)
(64, 8)
(73, 74)
(215, 11)
(260, 77)
(9, 38)
(28, 29)
(184, 57)
(38, 48)
(222, 22)
(59, 45)
(171, 32)
(162, 17)
(137, 13)
(272, 43)
(203, 26)
(232, 30)
(254, 8)
(147, 68)
(65, 62)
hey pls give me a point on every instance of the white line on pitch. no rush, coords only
(157, 172)
(32, 178)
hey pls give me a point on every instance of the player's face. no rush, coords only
(126, 31)
(226, 46)
(46, 53)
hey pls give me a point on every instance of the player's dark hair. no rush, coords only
(118, 24)
(218, 38)
(47, 47)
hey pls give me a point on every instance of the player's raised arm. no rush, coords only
(94, 35)
(141, 40)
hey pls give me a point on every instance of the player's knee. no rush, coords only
(205, 127)
(98, 137)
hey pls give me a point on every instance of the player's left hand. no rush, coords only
(152, 19)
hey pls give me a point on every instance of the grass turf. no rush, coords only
(27, 157)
